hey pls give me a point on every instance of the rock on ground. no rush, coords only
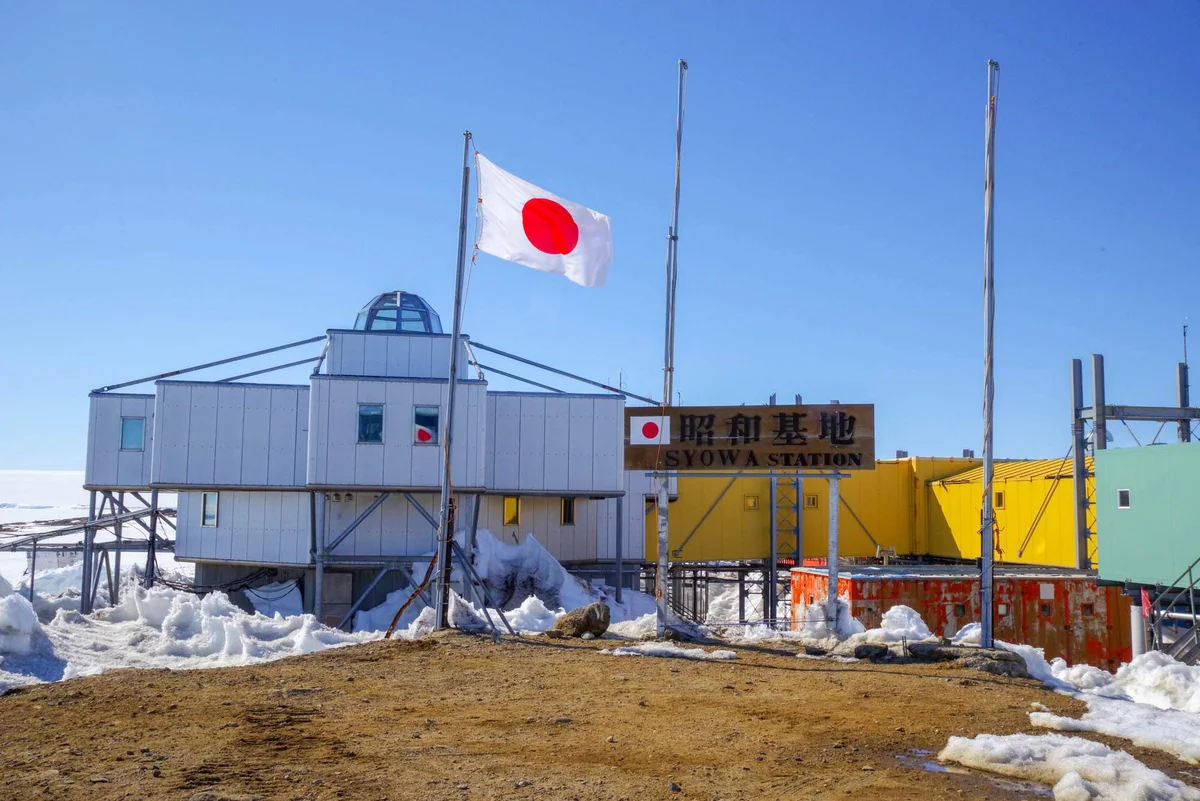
(990, 660)
(591, 619)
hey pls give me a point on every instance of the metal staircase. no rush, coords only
(1175, 625)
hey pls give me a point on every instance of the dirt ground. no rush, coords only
(459, 717)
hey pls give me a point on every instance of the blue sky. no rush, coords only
(185, 181)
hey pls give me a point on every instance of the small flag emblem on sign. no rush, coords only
(649, 430)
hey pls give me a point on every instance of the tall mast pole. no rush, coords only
(444, 531)
(673, 244)
(660, 588)
(988, 522)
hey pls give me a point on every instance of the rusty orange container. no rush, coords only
(1062, 611)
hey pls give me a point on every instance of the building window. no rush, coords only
(370, 422)
(425, 425)
(512, 510)
(810, 501)
(1002, 610)
(1045, 610)
(1122, 499)
(567, 515)
(999, 500)
(960, 610)
(1089, 610)
(750, 502)
(133, 433)
(208, 509)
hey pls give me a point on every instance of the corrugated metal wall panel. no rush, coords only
(300, 454)
(353, 350)
(342, 431)
(258, 527)
(507, 439)
(256, 438)
(579, 463)
(397, 355)
(398, 435)
(608, 450)
(231, 401)
(1070, 617)
(104, 440)
(489, 454)
(531, 448)
(174, 413)
(375, 355)
(558, 443)
(183, 531)
(421, 363)
(281, 457)
(202, 435)
(426, 459)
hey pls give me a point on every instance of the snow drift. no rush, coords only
(525, 581)
(1076, 768)
(670, 650)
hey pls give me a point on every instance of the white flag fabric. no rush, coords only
(522, 223)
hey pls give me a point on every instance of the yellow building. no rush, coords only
(1035, 518)
(914, 506)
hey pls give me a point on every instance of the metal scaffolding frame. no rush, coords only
(109, 515)
(771, 567)
(1098, 414)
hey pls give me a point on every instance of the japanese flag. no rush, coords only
(424, 433)
(524, 224)
(649, 430)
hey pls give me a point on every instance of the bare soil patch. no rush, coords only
(457, 717)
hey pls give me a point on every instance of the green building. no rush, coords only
(1148, 513)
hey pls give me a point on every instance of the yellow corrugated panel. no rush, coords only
(917, 506)
(888, 503)
(1034, 508)
(1022, 469)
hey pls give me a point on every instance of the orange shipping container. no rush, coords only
(1062, 611)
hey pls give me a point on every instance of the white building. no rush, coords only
(339, 477)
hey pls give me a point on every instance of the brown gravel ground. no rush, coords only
(457, 717)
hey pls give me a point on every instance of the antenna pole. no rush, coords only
(444, 531)
(988, 523)
(661, 499)
(673, 242)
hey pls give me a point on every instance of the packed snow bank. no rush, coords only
(528, 583)
(1153, 701)
(163, 628)
(816, 629)
(1078, 769)
(280, 598)
(513, 573)
(1171, 731)
(670, 650)
(18, 623)
(900, 624)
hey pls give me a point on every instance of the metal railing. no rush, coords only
(1166, 601)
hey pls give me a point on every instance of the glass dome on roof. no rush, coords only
(399, 311)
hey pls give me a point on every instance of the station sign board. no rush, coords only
(839, 436)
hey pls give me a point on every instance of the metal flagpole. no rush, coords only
(673, 239)
(661, 499)
(988, 522)
(444, 534)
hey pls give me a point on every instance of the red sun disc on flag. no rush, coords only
(423, 434)
(549, 226)
(650, 430)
